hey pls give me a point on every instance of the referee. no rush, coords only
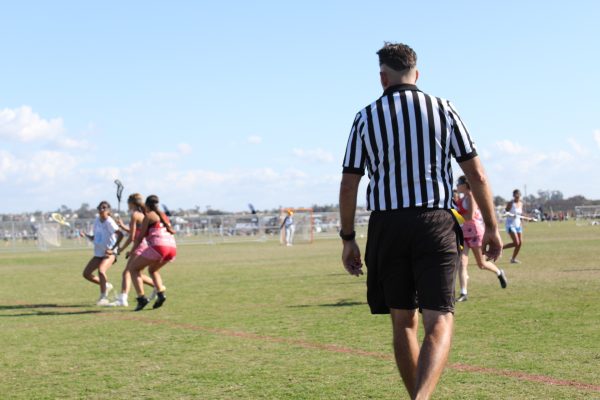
(406, 139)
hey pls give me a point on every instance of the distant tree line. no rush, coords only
(551, 200)
(545, 200)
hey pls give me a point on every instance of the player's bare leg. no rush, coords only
(88, 271)
(463, 275)
(482, 263)
(158, 283)
(136, 267)
(517, 241)
(105, 264)
(126, 281)
(518, 247)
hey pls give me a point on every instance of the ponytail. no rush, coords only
(152, 205)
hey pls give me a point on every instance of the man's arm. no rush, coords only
(351, 257)
(473, 169)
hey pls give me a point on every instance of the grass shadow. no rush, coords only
(50, 313)
(341, 303)
(34, 306)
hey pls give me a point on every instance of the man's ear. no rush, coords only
(416, 75)
(384, 79)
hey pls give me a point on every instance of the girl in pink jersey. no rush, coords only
(156, 229)
(473, 229)
(138, 212)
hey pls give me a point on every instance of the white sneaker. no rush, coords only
(154, 292)
(103, 301)
(120, 303)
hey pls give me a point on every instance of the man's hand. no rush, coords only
(492, 244)
(351, 258)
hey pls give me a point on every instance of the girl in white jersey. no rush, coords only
(514, 228)
(106, 237)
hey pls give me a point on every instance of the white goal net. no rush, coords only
(303, 225)
(585, 215)
(48, 236)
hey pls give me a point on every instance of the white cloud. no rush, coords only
(24, 125)
(43, 166)
(7, 164)
(37, 166)
(254, 139)
(577, 147)
(317, 154)
(72, 144)
(570, 167)
(184, 149)
(508, 147)
(597, 137)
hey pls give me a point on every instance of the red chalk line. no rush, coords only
(523, 376)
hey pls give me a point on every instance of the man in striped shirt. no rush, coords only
(406, 139)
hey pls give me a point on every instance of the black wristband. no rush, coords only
(347, 237)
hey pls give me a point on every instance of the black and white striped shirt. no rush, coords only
(406, 140)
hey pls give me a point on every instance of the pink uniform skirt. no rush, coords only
(473, 234)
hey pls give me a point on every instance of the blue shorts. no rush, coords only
(514, 229)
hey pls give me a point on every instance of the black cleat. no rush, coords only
(463, 297)
(502, 279)
(142, 302)
(160, 300)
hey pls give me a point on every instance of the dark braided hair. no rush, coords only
(152, 205)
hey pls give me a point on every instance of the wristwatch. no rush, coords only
(349, 236)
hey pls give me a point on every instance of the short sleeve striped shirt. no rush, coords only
(406, 140)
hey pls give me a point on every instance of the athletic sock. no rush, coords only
(499, 273)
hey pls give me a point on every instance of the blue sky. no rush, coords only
(225, 103)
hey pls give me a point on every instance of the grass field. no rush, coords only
(260, 321)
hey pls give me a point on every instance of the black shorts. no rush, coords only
(411, 257)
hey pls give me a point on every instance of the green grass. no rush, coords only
(252, 321)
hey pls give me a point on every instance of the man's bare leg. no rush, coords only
(434, 352)
(406, 346)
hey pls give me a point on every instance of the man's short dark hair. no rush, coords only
(397, 56)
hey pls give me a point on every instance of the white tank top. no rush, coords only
(517, 212)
